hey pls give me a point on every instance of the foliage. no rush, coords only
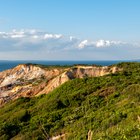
(109, 106)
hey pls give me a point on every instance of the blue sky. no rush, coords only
(101, 25)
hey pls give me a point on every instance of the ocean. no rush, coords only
(4, 64)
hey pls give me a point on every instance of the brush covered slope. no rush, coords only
(102, 108)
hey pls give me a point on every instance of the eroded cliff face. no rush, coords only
(31, 80)
(24, 81)
(78, 72)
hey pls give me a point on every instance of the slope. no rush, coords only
(106, 107)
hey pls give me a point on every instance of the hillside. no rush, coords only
(29, 80)
(100, 108)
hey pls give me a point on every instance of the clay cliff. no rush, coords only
(28, 80)
(78, 72)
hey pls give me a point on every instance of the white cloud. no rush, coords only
(17, 36)
(33, 31)
(107, 43)
(52, 36)
(83, 44)
(35, 36)
(48, 45)
(99, 44)
(102, 43)
(73, 38)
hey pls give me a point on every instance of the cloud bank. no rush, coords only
(35, 44)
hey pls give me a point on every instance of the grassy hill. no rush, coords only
(108, 107)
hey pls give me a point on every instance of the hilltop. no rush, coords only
(105, 107)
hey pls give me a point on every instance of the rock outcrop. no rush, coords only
(77, 72)
(27, 80)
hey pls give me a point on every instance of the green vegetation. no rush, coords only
(50, 66)
(34, 81)
(109, 106)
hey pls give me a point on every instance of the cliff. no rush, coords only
(27, 80)
(78, 72)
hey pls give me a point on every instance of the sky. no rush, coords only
(69, 29)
